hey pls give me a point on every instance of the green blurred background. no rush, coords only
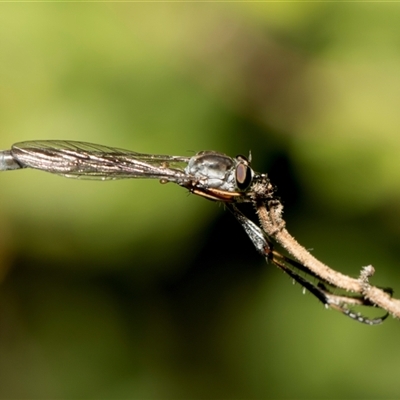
(132, 289)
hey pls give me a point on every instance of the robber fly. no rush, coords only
(209, 174)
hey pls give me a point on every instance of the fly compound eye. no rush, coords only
(243, 174)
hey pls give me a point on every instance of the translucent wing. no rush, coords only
(91, 161)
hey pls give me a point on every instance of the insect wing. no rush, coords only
(91, 161)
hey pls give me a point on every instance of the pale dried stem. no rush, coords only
(274, 226)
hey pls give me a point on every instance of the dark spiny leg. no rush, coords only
(338, 303)
(320, 291)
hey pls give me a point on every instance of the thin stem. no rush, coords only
(292, 246)
(270, 216)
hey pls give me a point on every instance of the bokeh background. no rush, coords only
(132, 289)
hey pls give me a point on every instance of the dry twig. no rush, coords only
(269, 211)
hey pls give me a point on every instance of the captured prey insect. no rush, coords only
(209, 174)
